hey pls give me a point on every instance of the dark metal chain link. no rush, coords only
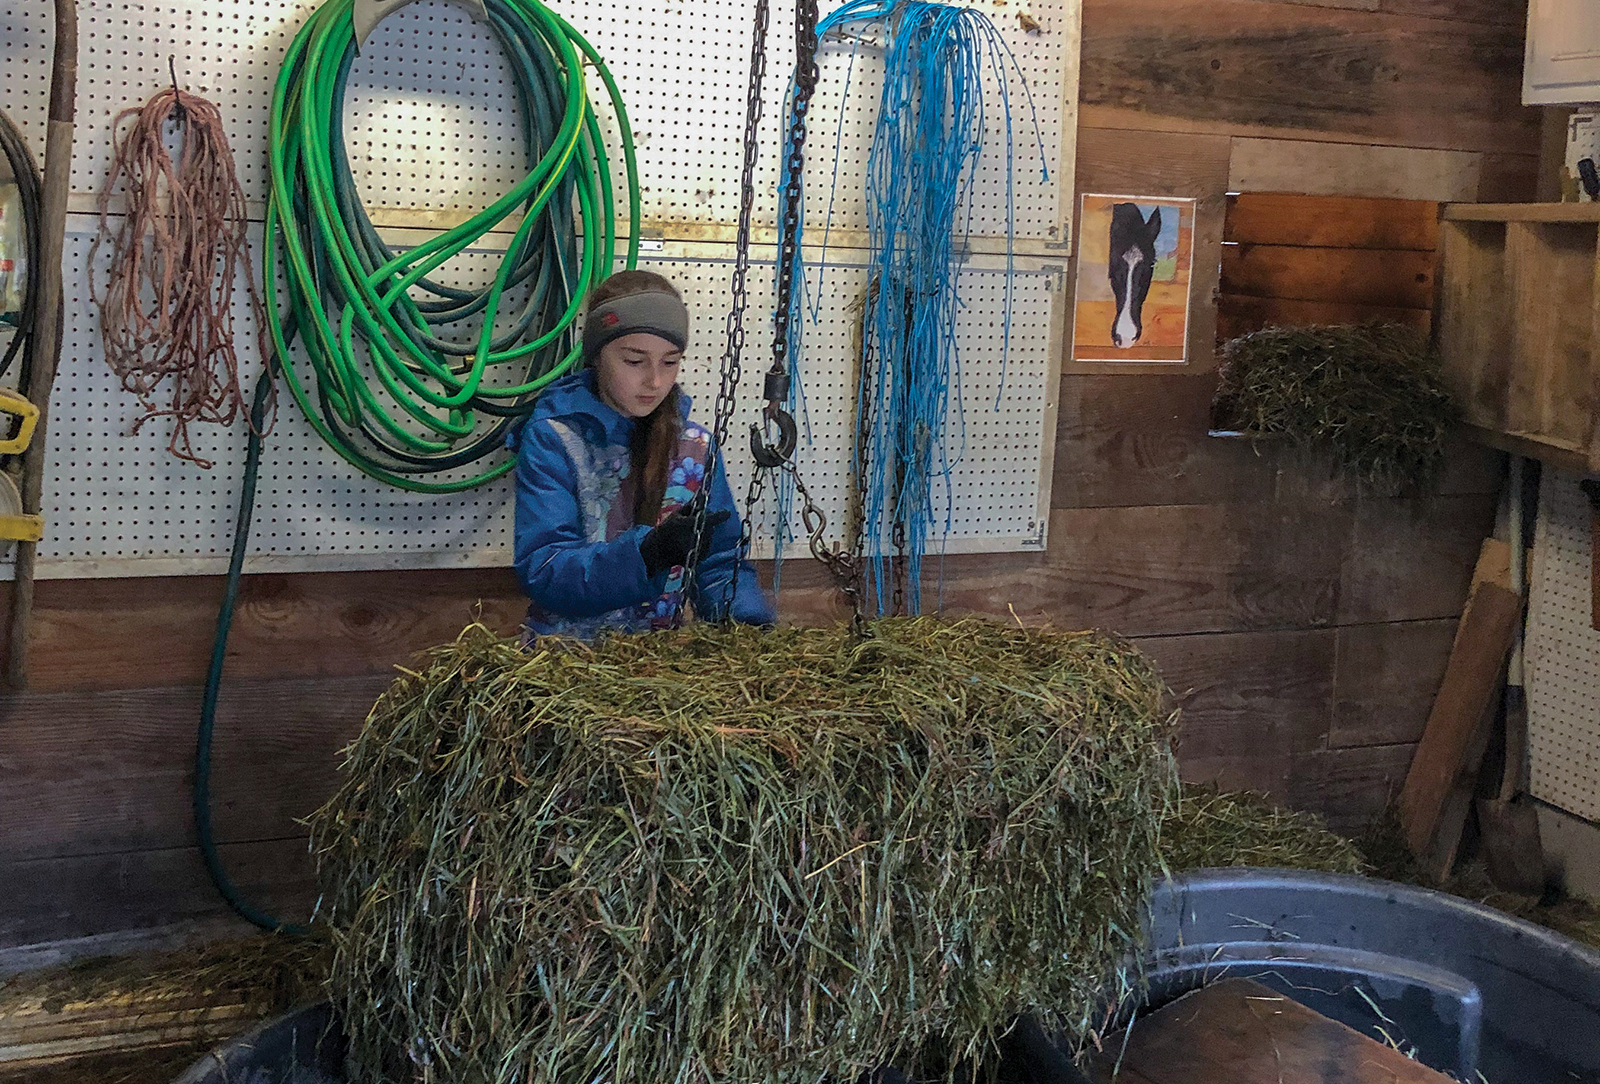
(741, 257)
(731, 367)
(843, 566)
(805, 85)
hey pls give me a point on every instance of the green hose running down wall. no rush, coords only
(407, 402)
(376, 374)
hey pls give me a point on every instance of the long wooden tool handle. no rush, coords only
(47, 331)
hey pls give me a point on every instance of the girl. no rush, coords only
(607, 465)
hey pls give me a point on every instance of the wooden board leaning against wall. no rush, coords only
(1302, 625)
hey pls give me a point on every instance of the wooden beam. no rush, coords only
(100, 771)
(1349, 787)
(1412, 560)
(1206, 568)
(1552, 152)
(54, 898)
(1391, 278)
(1507, 13)
(1318, 167)
(1508, 178)
(1124, 441)
(35, 1035)
(138, 632)
(1239, 67)
(1238, 1031)
(1432, 805)
(1248, 699)
(1384, 681)
(1522, 212)
(1238, 314)
(1273, 218)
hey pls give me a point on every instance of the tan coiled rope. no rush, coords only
(166, 311)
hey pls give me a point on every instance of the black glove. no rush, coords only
(672, 543)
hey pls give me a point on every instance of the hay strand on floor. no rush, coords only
(728, 854)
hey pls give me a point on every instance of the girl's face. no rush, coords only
(635, 372)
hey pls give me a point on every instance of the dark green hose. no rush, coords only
(219, 652)
(409, 402)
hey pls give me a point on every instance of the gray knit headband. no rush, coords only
(654, 311)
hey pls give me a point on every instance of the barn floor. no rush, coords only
(152, 1065)
(145, 1017)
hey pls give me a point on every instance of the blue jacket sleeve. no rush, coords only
(721, 568)
(558, 567)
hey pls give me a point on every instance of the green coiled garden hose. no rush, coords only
(407, 401)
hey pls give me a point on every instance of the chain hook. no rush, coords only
(774, 455)
(776, 392)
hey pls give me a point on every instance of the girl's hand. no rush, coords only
(672, 543)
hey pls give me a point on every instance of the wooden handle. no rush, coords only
(47, 329)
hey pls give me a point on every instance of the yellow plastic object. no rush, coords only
(14, 525)
(12, 403)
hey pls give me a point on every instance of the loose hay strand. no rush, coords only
(728, 854)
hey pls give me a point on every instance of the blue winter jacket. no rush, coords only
(583, 578)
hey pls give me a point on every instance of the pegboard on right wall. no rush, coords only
(1563, 653)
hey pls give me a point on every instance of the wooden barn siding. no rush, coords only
(1302, 625)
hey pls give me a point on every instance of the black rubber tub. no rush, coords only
(1470, 991)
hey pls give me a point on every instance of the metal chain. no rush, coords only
(843, 566)
(731, 367)
(741, 258)
(805, 85)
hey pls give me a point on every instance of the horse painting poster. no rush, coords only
(1135, 259)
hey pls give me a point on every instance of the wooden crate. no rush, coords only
(1518, 305)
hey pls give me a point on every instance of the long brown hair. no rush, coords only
(655, 436)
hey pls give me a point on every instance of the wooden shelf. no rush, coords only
(1519, 326)
(1522, 212)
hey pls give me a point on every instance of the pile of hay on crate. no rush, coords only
(728, 854)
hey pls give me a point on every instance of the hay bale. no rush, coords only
(728, 854)
(1372, 393)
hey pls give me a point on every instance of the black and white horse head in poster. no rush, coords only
(1131, 263)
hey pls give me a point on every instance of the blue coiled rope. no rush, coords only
(926, 145)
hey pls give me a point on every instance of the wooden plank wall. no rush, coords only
(1303, 624)
(1299, 259)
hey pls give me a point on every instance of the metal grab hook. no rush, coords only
(775, 392)
(774, 455)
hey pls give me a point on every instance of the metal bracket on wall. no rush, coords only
(367, 14)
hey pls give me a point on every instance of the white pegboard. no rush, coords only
(118, 504)
(430, 118)
(1563, 654)
(430, 129)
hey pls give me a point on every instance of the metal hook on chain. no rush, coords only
(774, 455)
